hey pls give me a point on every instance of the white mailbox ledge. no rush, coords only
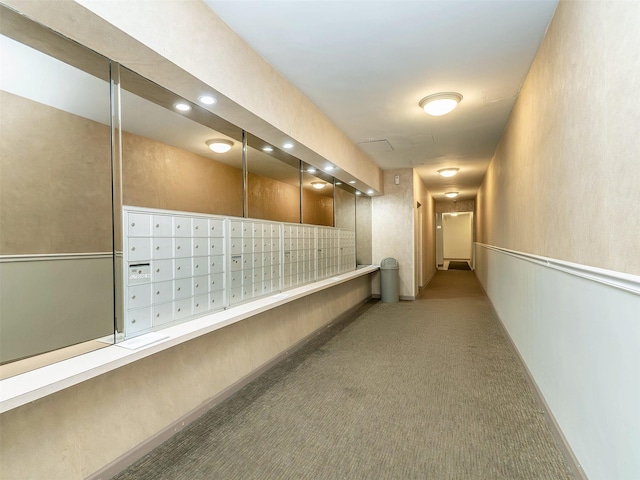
(39, 383)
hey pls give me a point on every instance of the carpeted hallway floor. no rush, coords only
(429, 389)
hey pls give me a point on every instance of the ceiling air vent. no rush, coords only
(376, 146)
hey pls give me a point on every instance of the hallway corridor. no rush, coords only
(429, 389)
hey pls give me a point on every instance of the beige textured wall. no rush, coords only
(451, 206)
(427, 211)
(345, 209)
(363, 230)
(143, 36)
(457, 235)
(73, 433)
(393, 227)
(565, 180)
(55, 180)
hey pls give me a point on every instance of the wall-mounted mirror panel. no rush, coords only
(317, 196)
(168, 155)
(273, 182)
(56, 238)
(344, 200)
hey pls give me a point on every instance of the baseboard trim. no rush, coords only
(409, 298)
(129, 458)
(553, 424)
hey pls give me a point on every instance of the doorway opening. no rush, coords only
(454, 241)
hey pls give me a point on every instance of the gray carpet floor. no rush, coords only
(429, 389)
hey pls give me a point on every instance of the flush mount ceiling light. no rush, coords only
(219, 145)
(206, 99)
(183, 107)
(451, 194)
(448, 172)
(440, 103)
(318, 185)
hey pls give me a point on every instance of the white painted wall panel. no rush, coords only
(580, 340)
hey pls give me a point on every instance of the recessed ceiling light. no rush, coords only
(318, 185)
(328, 168)
(448, 172)
(311, 170)
(338, 183)
(206, 100)
(219, 145)
(352, 182)
(358, 192)
(440, 103)
(183, 107)
(267, 149)
(451, 194)
(287, 145)
(369, 192)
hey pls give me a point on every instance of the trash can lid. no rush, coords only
(389, 262)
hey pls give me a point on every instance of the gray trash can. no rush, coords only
(389, 282)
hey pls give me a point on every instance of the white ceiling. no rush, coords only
(367, 64)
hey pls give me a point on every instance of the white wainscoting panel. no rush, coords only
(577, 329)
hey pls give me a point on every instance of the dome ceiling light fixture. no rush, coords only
(448, 172)
(318, 185)
(440, 104)
(219, 145)
(451, 194)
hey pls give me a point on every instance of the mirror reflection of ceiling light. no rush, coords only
(318, 185)
(440, 103)
(183, 107)
(219, 145)
(451, 194)
(287, 145)
(267, 149)
(448, 172)
(206, 100)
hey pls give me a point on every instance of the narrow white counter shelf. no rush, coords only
(30, 386)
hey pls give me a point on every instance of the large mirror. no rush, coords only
(177, 155)
(317, 196)
(56, 238)
(273, 182)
